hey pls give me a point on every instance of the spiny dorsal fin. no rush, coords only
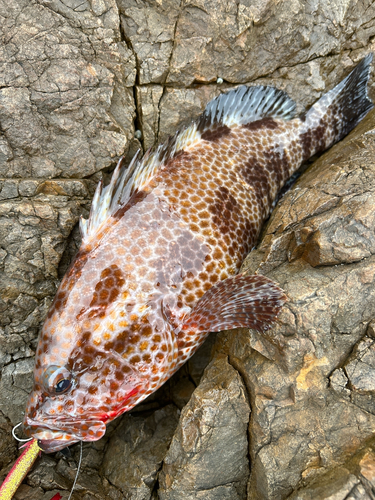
(247, 104)
(127, 181)
(236, 107)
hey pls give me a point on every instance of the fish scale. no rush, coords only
(157, 268)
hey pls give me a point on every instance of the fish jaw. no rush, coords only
(55, 433)
(54, 436)
(52, 445)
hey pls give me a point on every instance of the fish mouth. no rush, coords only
(50, 439)
(53, 445)
(54, 436)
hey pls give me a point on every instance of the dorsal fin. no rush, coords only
(127, 181)
(239, 106)
(246, 104)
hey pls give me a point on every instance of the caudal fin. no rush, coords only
(338, 111)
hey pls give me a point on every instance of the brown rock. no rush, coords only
(334, 486)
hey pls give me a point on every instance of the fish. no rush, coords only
(158, 267)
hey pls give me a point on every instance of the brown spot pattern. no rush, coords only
(256, 176)
(276, 161)
(223, 208)
(75, 269)
(137, 197)
(264, 123)
(58, 304)
(192, 228)
(105, 293)
(175, 160)
(215, 133)
(314, 140)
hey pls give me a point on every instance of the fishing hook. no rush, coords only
(17, 438)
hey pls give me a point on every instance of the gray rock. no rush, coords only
(46, 475)
(208, 456)
(355, 380)
(15, 384)
(66, 107)
(361, 368)
(339, 382)
(135, 453)
(178, 107)
(25, 491)
(149, 29)
(33, 234)
(242, 41)
(148, 100)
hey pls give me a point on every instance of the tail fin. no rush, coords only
(338, 111)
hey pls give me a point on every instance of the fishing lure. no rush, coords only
(22, 466)
(19, 470)
(157, 268)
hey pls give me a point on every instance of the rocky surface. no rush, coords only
(207, 457)
(78, 78)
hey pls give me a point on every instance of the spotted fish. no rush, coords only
(161, 249)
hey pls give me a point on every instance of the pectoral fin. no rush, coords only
(237, 302)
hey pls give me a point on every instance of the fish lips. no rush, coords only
(52, 445)
(59, 435)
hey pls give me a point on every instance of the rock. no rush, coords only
(238, 41)
(208, 454)
(135, 453)
(33, 232)
(65, 101)
(148, 100)
(354, 482)
(15, 384)
(150, 31)
(337, 486)
(357, 376)
(178, 107)
(46, 476)
(25, 491)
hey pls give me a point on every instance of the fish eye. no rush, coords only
(58, 379)
(63, 385)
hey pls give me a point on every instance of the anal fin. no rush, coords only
(237, 302)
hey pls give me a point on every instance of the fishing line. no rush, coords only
(75, 479)
(17, 438)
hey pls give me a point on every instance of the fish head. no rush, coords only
(74, 396)
(83, 376)
(73, 400)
